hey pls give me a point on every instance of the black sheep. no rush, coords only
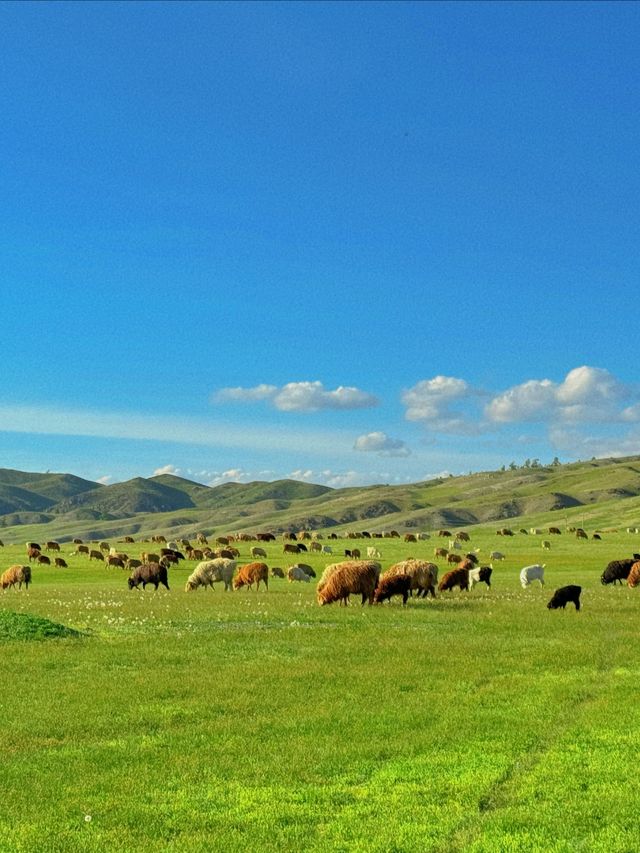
(561, 597)
(154, 573)
(390, 585)
(617, 570)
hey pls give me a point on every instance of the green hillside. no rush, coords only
(591, 493)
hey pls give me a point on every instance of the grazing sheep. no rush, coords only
(482, 574)
(455, 577)
(596, 536)
(132, 563)
(152, 573)
(290, 548)
(201, 539)
(33, 554)
(60, 562)
(410, 537)
(97, 555)
(581, 534)
(373, 554)
(390, 585)
(453, 558)
(277, 572)
(315, 546)
(51, 546)
(355, 554)
(77, 541)
(212, 571)
(16, 575)
(104, 546)
(35, 545)
(43, 560)
(306, 568)
(327, 549)
(112, 560)
(634, 575)
(463, 536)
(561, 597)
(423, 574)
(252, 573)
(555, 531)
(617, 571)
(258, 552)
(83, 549)
(546, 545)
(440, 552)
(296, 573)
(496, 555)
(352, 577)
(148, 557)
(532, 573)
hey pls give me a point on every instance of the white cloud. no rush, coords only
(301, 397)
(430, 402)
(382, 444)
(232, 475)
(166, 469)
(105, 480)
(245, 395)
(586, 395)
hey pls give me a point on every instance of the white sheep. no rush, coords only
(373, 553)
(532, 573)
(212, 571)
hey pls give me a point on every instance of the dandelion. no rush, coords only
(87, 818)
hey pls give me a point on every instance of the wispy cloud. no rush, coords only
(166, 469)
(382, 444)
(300, 397)
(45, 420)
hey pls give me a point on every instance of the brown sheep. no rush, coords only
(43, 560)
(424, 575)
(390, 585)
(290, 548)
(112, 560)
(440, 552)
(16, 575)
(453, 558)
(83, 549)
(353, 577)
(33, 554)
(456, 577)
(148, 557)
(634, 575)
(104, 546)
(62, 564)
(96, 555)
(132, 563)
(77, 541)
(252, 573)
(410, 537)
(51, 546)
(277, 572)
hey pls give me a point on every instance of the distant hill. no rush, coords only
(62, 505)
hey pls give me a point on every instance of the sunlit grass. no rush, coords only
(242, 721)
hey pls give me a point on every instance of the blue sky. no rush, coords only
(344, 242)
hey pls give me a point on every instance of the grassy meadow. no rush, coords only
(174, 721)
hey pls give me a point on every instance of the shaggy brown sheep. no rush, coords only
(252, 573)
(355, 577)
(456, 577)
(148, 573)
(16, 575)
(390, 585)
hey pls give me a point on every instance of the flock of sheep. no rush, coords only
(354, 576)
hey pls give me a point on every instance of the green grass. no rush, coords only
(242, 721)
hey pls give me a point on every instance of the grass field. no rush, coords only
(176, 721)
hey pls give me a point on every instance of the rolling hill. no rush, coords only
(62, 506)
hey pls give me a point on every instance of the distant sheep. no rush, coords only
(16, 575)
(555, 530)
(532, 573)
(60, 563)
(561, 597)
(373, 554)
(277, 572)
(112, 560)
(96, 555)
(546, 545)
(295, 573)
(51, 546)
(352, 577)
(455, 577)
(252, 573)
(290, 548)
(423, 574)
(496, 555)
(306, 568)
(148, 573)
(43, 560)
(33, 553)
(440, 552)
(327, 549)
(220, 570)
(258, 552)
(390, 585)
